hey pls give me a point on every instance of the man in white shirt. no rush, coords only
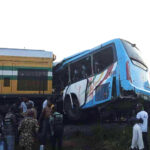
(137, 139)
(144, 126)
(24, 102)
(30, 101)
(51, 98)
(23, 105)
(44, 103)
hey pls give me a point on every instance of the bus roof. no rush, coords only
(75, 55)
(83, 53)
(25, 53)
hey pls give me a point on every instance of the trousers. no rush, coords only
(45, 131)
(56, 141)
(10, 142)
(145, 140)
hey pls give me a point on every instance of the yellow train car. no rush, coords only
(25, 72)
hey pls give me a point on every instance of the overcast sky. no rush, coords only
(70, 26)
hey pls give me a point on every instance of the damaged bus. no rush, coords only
(112, 71)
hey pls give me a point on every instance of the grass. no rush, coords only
(102, 137)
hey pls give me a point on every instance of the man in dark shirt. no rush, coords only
(10, 128)
(56, 122)
(45, 123)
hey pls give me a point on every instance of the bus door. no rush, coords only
(6, 74)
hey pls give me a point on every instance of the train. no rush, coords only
(25, 73)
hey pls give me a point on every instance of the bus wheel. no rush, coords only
(73, 111)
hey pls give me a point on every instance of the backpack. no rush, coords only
(8, 119)
(9, 125)
(57, 123)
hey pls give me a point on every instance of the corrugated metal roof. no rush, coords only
(25, 53)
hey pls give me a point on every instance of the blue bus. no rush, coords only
(111, 71)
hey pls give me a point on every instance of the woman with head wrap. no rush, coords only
(27, 129)
(30, 107)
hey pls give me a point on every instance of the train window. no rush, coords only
(6, 82)
(32, 80)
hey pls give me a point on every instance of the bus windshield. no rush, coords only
(134, 54)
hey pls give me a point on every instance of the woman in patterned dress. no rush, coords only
(28, 128)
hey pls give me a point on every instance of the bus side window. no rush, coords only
(96, 67)
(81, 69)
(76, 75)
(102, 59)
(65, 77)
(84, 71)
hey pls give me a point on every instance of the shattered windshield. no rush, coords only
(134, 54)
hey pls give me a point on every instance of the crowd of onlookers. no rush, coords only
(20, 126)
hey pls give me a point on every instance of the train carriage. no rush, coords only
(25, 72)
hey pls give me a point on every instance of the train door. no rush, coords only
(6, 79)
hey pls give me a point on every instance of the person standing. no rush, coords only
(23, 105)
(10, 129)
(46, 100)
(2, 143)
(44, 118)
(30, 107)
(142, 114)
(44, 104)
(28, 127)
(137, 138)
(56, 122)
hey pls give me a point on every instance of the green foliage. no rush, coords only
(106, 137)
(101, 137)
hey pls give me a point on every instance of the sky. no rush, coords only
(66, 27)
